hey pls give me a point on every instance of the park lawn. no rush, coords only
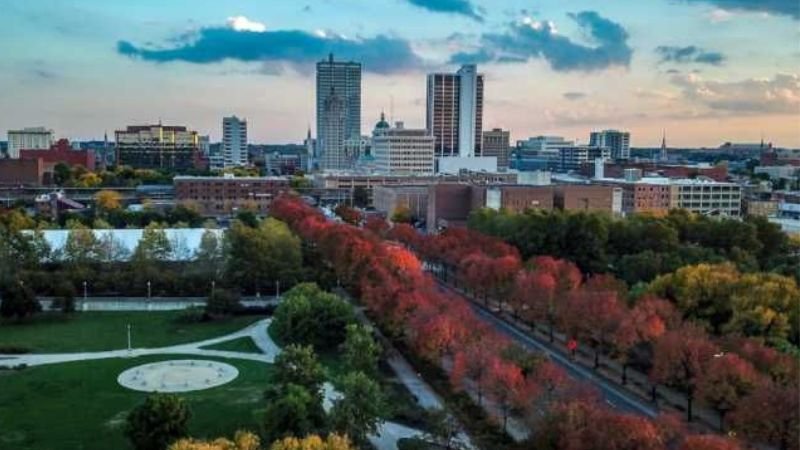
(79, 405)
(97, 331)
(243, 344)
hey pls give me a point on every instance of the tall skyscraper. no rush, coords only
(332, 133)
(37, 138)
(234, 142)
(455, 111)
(619, 142)
(343, 80)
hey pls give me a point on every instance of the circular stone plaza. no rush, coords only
(178, 376)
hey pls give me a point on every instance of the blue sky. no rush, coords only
(707, 71)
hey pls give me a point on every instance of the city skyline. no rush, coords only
(693, 67)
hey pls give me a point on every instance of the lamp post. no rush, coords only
(213, 287)
(84, 291)
(278, 289)
(148, 290)
(129, 337)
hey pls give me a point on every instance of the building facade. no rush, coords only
(497, 143)
(227, 195)
(158, 147)
(388, 199)
(234, 142)
(60, 152)
(455, 111)
(401, 151)
(619, 142)
(36, 138)
(338, 118)
(573, 158)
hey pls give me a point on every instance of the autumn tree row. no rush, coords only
(731, 374)
(442, 328)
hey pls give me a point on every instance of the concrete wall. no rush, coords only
(153, 304)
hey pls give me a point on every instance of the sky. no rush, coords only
(702, 71)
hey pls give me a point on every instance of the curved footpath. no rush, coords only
(386, 439)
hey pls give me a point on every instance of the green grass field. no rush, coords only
(79, 405)
(96, 331)
(242, 344)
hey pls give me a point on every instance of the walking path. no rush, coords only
(389, 432)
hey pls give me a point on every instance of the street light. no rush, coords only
(84, 291)
(148, 290)
(129, 337)
(278, 289)
(213, 287)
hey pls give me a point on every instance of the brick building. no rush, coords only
(387, 199)
(16, 172)
(225, 196)
(61, 152)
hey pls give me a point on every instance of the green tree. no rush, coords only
(62, 175)
(209, 256)
(359, 411)
(158, 422)
(299, 365)
(360, 352)
(307, 315)
(154, 246)
(293, 411)
(268, 253)
(65, 296)
(18, 301)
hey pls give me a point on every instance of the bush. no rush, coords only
(13, 350)
(64, 297)
(309, 316)
(223, 303)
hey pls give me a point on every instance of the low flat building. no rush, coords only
(513, 198)
(228, 195)
(576, 197)
(657, 195)
(21, 172)
(388, 199)
(60, 152)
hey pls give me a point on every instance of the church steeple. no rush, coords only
(663, 153)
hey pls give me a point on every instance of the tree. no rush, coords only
(158, 422)
(299, 365)
(360, 197)
(309, 316)
(709, 442)
(680, 357)
(605, 311)
(62, 174)
(209, 256)
(649, 318)
(762, 306)
(154, 246)
(443, 429)
(359, 412)
(314, 442)
(270, 252)
(18, 301)
(726, 380)
(507, 388)
(401, 214)
(65, 296)
(223, 302)
(348, 214)
(242, 440)
(360, 352)
(108, 200)
(770, 414)
(293, 411)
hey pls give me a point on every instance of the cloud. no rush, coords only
(789, 8)
(689, 54)
(779, 95)
(462, 7)
(532, 39)
(242, 41)
(574, 95)
(242, 23)
(718, 15)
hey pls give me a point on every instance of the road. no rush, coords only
(614, 396)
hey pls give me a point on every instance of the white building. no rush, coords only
(37, 138)
(400, 151)
(468, 111)
(234, 142)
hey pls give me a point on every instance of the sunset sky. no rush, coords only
(706, 71)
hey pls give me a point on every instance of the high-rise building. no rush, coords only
(157, 147)
(234, 141)
(402, 151)
(619, 142)
(497, 143)
(342, 80)
(37, 138)
(455, 112)
(332, 133)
